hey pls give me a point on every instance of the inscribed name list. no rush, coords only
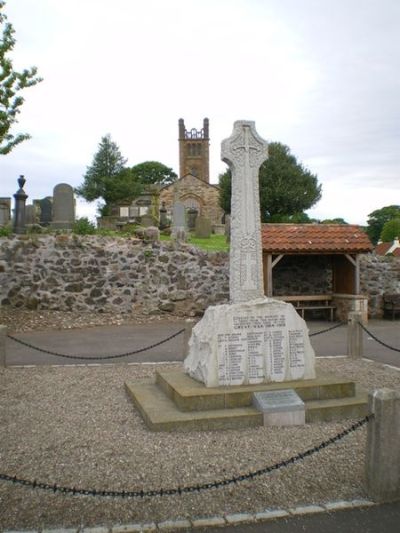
(259, 346)
(248, 343)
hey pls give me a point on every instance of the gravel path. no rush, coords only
(76, 426)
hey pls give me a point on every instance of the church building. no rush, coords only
(193, 188)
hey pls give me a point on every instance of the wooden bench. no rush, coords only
(391, 304)
(309, 302)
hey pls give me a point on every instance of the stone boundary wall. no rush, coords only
(92, 273)
(67, 272)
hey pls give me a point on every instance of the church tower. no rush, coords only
(194, 148)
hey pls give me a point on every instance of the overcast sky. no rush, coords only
(322, 76)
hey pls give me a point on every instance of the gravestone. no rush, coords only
(5, 211)
(178, 231)
(203, 228)
(63, 206)
(148, 221)
(46, 211)
(163, 217)
(191, 218)
(30, 215)
(253, 339)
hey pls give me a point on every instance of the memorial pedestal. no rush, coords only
(176, 402)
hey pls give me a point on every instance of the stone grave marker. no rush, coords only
(63, 206)
(148, 220)
(253, 339)
(30, 215)
(203, 228)
(5, 211)
(192, 214)
(280, 408)
(46, 211)
(178, 231)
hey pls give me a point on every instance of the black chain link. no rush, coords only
(191, 488)
(327, 329)
(91, 358)
(378, 340)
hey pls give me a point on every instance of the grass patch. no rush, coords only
(215, 243)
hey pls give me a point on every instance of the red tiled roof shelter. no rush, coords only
(342, 243)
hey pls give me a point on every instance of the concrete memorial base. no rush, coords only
(258, 341)
(176, 402)
(280, 408)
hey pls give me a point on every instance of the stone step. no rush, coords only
(190, 395)
(338, 409)
(161, 414)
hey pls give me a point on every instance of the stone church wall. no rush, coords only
(68, 272)
(192, 187)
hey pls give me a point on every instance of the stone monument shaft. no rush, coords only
(244, 151)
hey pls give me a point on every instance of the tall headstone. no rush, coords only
(244, 152)
(63, 206)
(46, 211)
(5, 211)
(178, 231)
(253, 339)
(203, 228)
(163, 217)
(20, 200)
(30, 215)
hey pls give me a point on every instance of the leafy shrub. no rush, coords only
(83, 226)
(5, 231)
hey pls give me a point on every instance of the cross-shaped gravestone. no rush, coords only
(244, 151)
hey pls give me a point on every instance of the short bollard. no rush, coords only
(3, 339)
(354, 335)
(383, 450)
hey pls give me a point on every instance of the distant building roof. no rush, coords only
(314, 238)
(386, 248)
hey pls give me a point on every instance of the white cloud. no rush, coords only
(321, 77)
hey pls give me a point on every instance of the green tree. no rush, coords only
(123, 186)
(107, 163)
(378, 218)
(153, 172)
(334, 221)
(11, 84)
(391, 230)
(287, 189)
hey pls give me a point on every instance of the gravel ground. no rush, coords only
(76, 426)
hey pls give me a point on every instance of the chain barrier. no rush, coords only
(92, 358)
(191, 488)
(378, 340)
(327, 329)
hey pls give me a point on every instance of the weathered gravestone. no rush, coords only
(192, 214)
(203, 228)
(5, 211)
(178, 231)
(46, 211)
(63, 206)
(253, 339)
(30, 215)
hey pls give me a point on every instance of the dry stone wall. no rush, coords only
(68, 272)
